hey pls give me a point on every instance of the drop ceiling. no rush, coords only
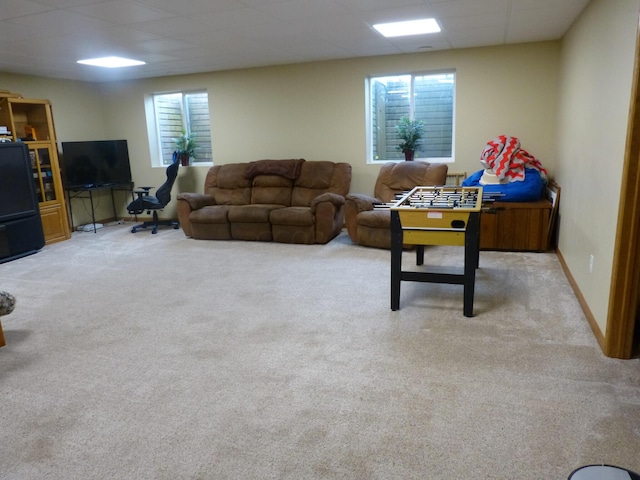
(47, 37)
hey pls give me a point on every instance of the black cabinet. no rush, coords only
(21, 230)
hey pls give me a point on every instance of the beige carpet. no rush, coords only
(159, 357)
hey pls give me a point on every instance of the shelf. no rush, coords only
(31, 121)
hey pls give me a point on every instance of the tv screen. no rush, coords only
(17, 190)
(95, 163)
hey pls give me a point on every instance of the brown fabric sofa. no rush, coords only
(288, 201)
(370, 227)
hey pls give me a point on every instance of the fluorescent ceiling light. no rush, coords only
(111, 62)
(411, 27)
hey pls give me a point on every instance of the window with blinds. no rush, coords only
(183, 111)
(429, 97)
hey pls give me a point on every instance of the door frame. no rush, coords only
(624, 295)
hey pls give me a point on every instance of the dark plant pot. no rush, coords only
(184, 159)
(408, 155)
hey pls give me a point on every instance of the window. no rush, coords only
(175, 112)
(429, 97)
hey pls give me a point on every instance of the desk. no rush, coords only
(87, 192)
(437, 216)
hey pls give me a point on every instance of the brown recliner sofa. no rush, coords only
(371, 228)
(288, 201)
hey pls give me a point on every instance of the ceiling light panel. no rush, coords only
(111, 62)
(411, 27)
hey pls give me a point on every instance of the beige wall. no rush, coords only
(595, 88)
(317, 110)
(77, 106)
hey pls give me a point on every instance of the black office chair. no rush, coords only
(152, 203)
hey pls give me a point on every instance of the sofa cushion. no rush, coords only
(319, 177)
(271, 189)
(399, 177)
(295, 216)
(251, 213)
(283, 168)
(375, 218)
(210, 214)
(227, 184)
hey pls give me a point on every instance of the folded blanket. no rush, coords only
(285, 168)
(504, 156)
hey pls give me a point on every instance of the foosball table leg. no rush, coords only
(396, 260)
(471, 261)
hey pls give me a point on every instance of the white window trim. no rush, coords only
(369, 123)
(153, 131)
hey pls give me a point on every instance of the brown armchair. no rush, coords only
(370, 227)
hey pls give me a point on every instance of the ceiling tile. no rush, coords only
(163, 45)
(121, 12)
(194, 7)
(183, 36)
(60, 21)
(454, 8)
(20, 8)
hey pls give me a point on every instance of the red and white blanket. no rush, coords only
(508, 161)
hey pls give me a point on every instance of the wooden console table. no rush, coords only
(519, 226)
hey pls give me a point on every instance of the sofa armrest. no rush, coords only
(361, 202)
(354, 204)
(187, 203)
(197, 200)
(328, 210)
(333, 198)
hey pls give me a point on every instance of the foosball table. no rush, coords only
(444, 215)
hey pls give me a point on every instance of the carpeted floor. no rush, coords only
(160, 357)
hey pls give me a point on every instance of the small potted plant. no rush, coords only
(410, 132)
(186, 147)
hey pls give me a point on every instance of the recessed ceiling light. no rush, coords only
(411, 27)
(111, 62)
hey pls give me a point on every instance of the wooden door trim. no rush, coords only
(625, 277)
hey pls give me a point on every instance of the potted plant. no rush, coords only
(186, 147)
(410, 132)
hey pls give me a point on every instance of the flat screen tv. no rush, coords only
(17, 190)
(95, 163)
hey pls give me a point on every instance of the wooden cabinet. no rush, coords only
(522, 226)
(31, 121)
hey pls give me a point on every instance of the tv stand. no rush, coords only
(86, 191)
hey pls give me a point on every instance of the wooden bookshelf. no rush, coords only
(31, 121)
